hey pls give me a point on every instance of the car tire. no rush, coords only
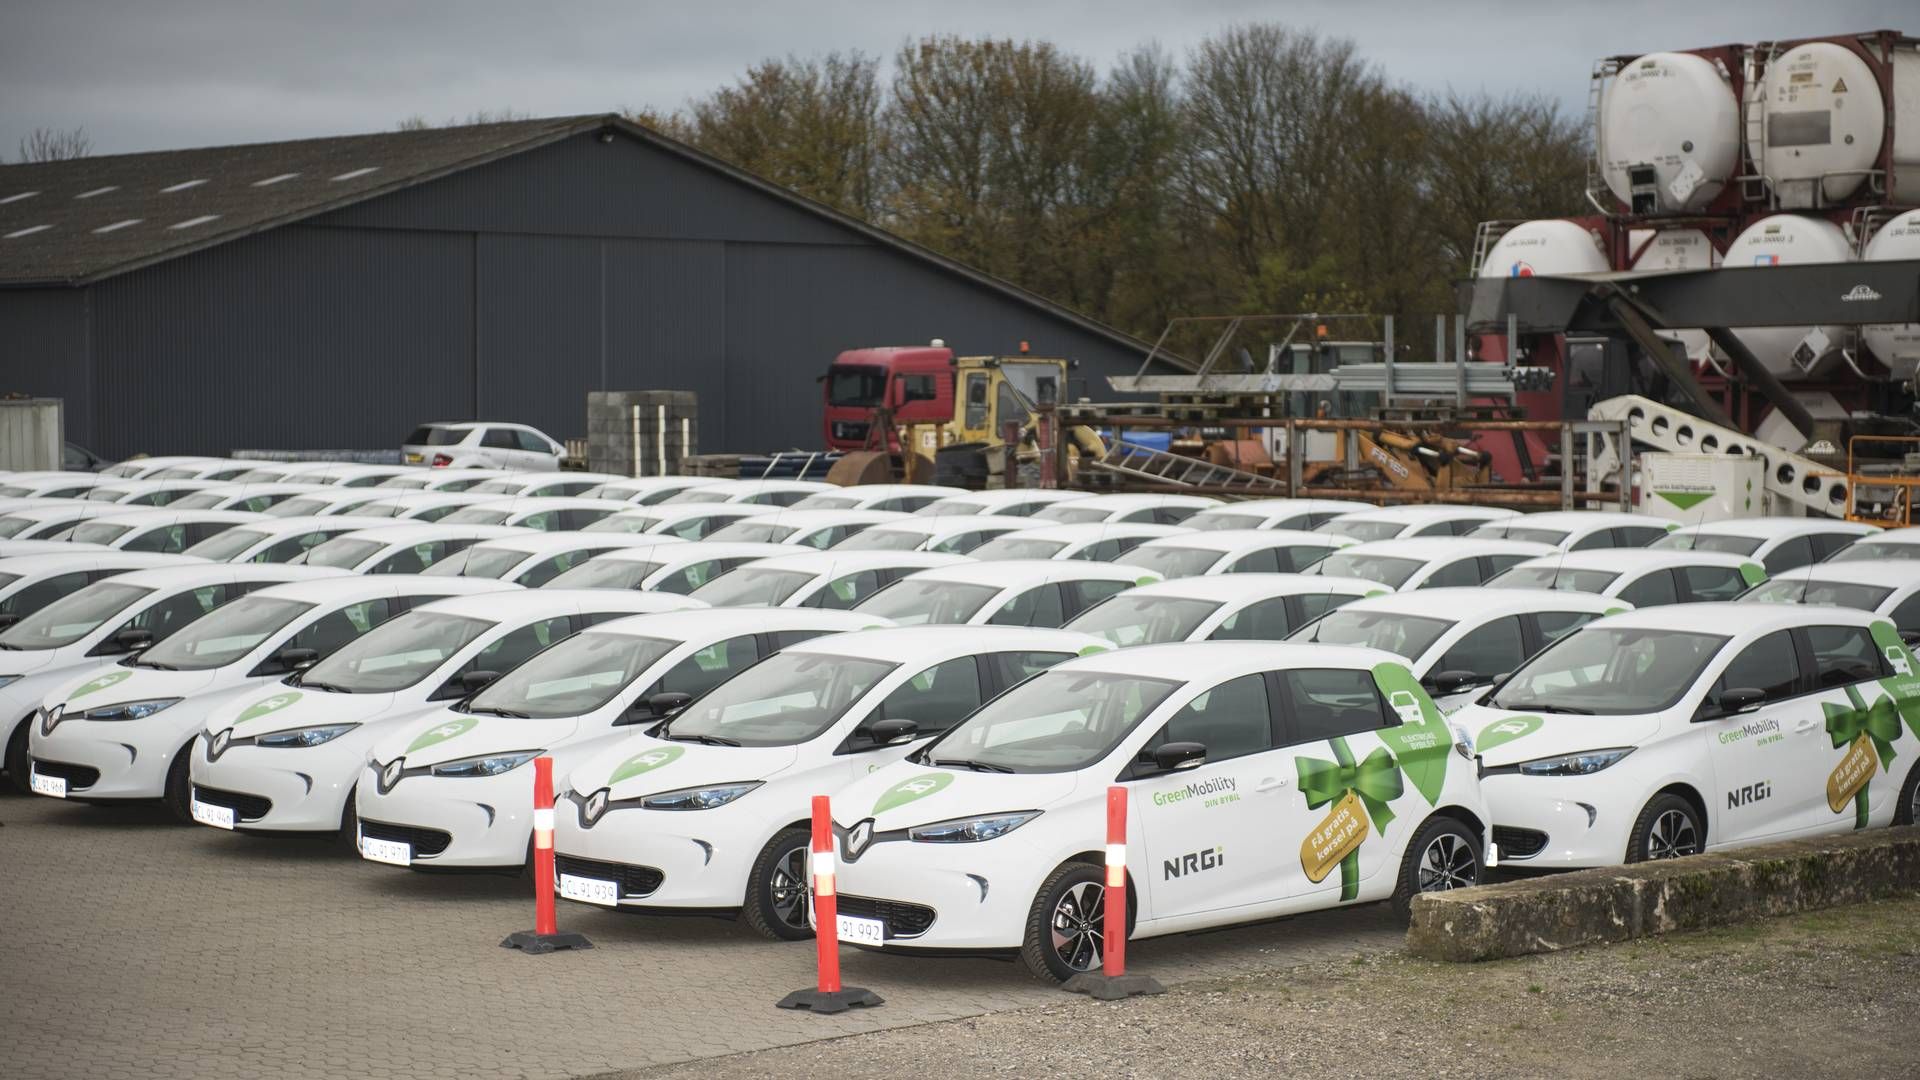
(1668, 828)
(16, 757)
(1907, 810)
(178, 794)
(777, 887)
(1075, 895)
(1443, 855)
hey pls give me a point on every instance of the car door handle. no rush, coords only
(1805, 726)
(1271, 783)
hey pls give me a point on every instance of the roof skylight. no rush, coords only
(17, 198)
(357, 173)
(182, 186)
(118, 225)
(97, 191)
(28, 231)
(275, 179)
(191, 222)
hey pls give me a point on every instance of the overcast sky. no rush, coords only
(155, 74)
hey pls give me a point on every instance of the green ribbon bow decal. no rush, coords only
(1376, 781)
(1880, 722)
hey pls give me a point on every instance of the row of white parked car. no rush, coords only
(965, 674)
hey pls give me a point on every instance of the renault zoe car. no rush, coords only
(819, 579)
(1233, 551)
(1301, 514)
(1430, 562)
(1042, 593)
(1643, 577)
(1219, 607)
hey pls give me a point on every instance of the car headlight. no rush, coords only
(9, 680)
(310, 736)
(970, 830)
(1581, 764)
(698, 798)
(126, 710)
(486, 765)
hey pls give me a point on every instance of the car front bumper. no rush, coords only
(453, 822)
(1559, 823)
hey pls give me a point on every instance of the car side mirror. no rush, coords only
(1911, 638)
(1175, 756)
(296, 659)
(133, 639)
(1736, 700)
(667, 703)
(8, 620)
(1452, 682)
(475, 681)
(893, 732)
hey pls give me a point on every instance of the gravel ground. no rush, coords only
(1829, 993)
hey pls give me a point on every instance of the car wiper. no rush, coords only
(1537, 707)
(489, 711)
(967, 763)
(709, 740)
(328, 687)
(154, 666)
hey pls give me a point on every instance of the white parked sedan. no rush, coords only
(123, 731)
(903, 498)
(1042, 593)
(1100, 542)
(686, 521)
(818, 579)
(1003, 502)
(952, 534)
(447, 789)
(401, 549)
(1300, 514)
(1694, 727)
(1426, 520)
(277, 539)
(668, 566)
(286, 758)
(707, 810)
(549, 514)
(819, 529)
(1261, 781)
(1776, 543)
(1139, 509)
(1430, 562)
(533, 559)
(1888, 588)
(1234, 551)
(494, 444)
(1643, 577)
(756, 492)
(1219, 607)
(1579, 530)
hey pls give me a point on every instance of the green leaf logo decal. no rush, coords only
(645, 763)
(908, 790)
(1145, 579)
(1090, 650)
(449, 730)
(1422, 742)
(101, 683)
(1752, 573)
(1505, 731)
(269, 705)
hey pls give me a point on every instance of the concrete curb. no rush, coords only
(1592, 907)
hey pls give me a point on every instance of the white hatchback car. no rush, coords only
(1218, 607)
(276, 539)
(668, 566)
(645, 490)
(1776, 543)
(1579, 530)
(253, 498)
(1302, 514)
(1890, 545)
(1692, 727)
(163, 529)
(1887, 588)
(288, 760)
(447, 789)
(122, 731)
(1430, 562)
(1042, 593)
(534, 559)
(401, 549)
(542, 485)
(1643, 577)
(1138, 509)
(757, 492)
(441, 479)
(818, 529)
(1100, 542)
(326, 501)
(818, 579)
(1003, 502)
(903, 498)
(685, 521)
(546, 513)
(706, 810)
(418, 505)
(1392, 521)
(491, 444)
(1261, 780)
(1234, 551)
(953, 534)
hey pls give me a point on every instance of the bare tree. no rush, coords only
(417, 122)
(811, 125)
(48, 144)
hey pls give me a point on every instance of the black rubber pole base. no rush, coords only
(1112, 987)
(831, 1001)
(535, 944)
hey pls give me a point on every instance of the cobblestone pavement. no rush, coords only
(133, 946)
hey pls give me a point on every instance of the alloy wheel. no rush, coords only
(789, 888)
(1672, 836)
(1447, 863)
(1079, 926)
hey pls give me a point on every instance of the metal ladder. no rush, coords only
(1158, 466)
(1790, 478)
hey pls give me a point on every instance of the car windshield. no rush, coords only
(227, 546)
(702, 495)
(1516, 532)
(299, 507)
(14, 526)
(1058, 721)
(1706, 541)
(1362, 530)
(883, 539)
(478, 562)
(1215, 522)
(752, 587)
(343, 552)
(1144, 620)
(225, 634)
(98, 532)
(475, 515)
(1610, 671)
(783, 700)
(953, 508)
(623, 523)
(395, 655)
(1010, 547)
(201, 501)
(1073, 515)
(433, 435)
(856, 387)
(915, 603)
(73, 617)
(827, 502)
(753, 533)
(1404, 635)
(606, 574)
(1550, 576)
(572, 678)
(1849, 594)
(1858, 551)
(1385, 569)
(1171, 561)
(380, 509)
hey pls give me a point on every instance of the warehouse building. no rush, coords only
(335, 292)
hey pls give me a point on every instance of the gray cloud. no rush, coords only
(153, 74)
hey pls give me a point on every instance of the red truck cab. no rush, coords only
(915, 381)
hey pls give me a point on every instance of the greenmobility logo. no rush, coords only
(101, 683)
(908, 790)
(1767, 731)
(268, 705)
(646, 763)
(1505, 731)
(448, 730)
(1218, 791)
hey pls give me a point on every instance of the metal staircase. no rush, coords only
(1791, 480)
(1160, 467)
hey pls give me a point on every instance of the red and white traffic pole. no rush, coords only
(545, 937)
(1111, 982)
(827, 995)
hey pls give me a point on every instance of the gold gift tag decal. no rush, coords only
(1852, 774)
(1335, 838)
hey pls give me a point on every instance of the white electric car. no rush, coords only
(1430, 562)
(645, 490)
(754, 492)
(1261, 780)
(1138, 509)
(200, 469)
(1042, 593)
(31, 582)
(276, 539)
(1693, 727)
(439, 479)
(253, 498)
(952, 534)
(548, 514)
(122, 731)
(1424, 520)
(1579, 530)
(1643, 577)
(818, 579)
(1218, 607)
(286, 758)
(1099, 542)
(668, 566)
(542, 485)
(1001, 502)
(1234, 551)
(327, 502)
(140, 468)
(1886, 546)
(447, 789)
(401, 549)
(818, 529)
(904, 498)
(708, 810)
(139, 493)
(1887, 588)
(685, 521)
(423, 506)
(1302, 514)
(163, 529)
(533, 559)
(53, 485)
(1776, 543)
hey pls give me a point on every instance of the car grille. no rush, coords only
(902, 920)
(424, 843)
(244, 807)
(1518, 843)
(76, 776)
(634, 881)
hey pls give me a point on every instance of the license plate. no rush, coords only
(391, 852)
(55, 786)
(413, 459)
(220, 817)
(590, 890)
(857, 931)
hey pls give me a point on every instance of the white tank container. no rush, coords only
(1676, 112)
(1896, 346)
(1676, 249)
(1817, 124)
(1544, 248)
(1789, 352)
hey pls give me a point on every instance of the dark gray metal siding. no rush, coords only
(43, 351)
